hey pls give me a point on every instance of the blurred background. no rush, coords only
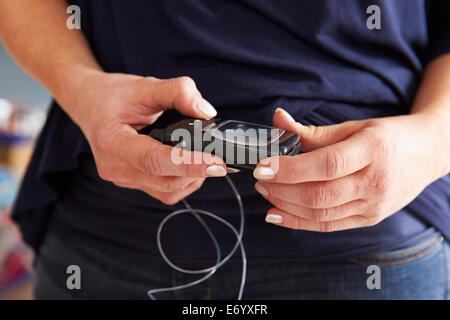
(23, 107)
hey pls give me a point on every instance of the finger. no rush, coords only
(167, 184)
(351, 208)
(135, 179)
(321, 194)
(171, 198)
(327, 163)
(152, 157)
(314, 137)
(178, 93)
(284, 219)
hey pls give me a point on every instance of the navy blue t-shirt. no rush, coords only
(317, 59)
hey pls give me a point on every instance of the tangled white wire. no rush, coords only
(212, 269)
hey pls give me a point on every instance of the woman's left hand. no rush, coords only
(352, 175)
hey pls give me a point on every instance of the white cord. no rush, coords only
(212, 269)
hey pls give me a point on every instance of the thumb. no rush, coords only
(314, 137)
(177, 93)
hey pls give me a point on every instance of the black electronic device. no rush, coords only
(240, 144)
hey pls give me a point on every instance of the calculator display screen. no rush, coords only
(245, 133)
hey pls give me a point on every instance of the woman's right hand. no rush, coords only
(110, 108)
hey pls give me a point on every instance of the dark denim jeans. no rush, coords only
(419, 272)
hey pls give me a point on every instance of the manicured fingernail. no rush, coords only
(206, 108)
(259, 187)
(263, 173)
(285, 113)
(274, 218)
(215, 171)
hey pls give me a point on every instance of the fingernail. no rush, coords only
(263, 173)
(215, 171)
(206, 108)
(274, 218)
(285, 113)
(259, 187)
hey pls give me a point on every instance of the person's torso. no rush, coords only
(316, 59)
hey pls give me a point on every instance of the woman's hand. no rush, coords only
(109, 108)
(353, 174)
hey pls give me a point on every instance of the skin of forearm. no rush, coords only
(432, 104)
(35, 34)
